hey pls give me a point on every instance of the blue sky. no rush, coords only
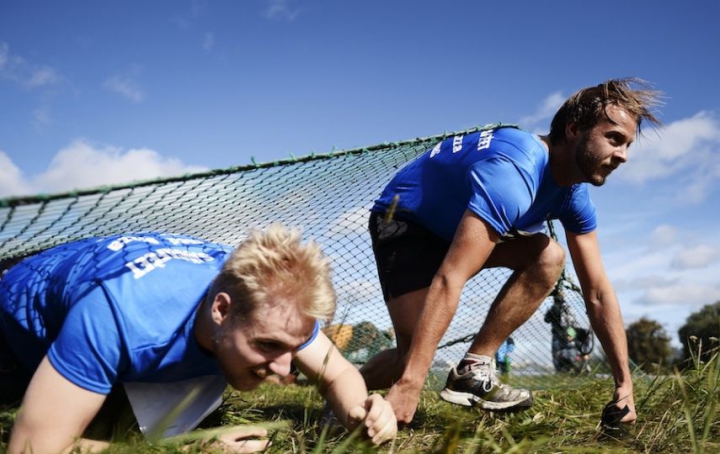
(99, 93)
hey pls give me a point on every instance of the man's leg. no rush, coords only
(407, 257)
(537, 262)
(385, 368)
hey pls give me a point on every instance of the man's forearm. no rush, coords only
(345, 392)
(608, 326)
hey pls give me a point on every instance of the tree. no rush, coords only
(367, 341)
(700, 333)
(649, 345)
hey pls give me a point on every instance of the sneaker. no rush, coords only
(481, 386)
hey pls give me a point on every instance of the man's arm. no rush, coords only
(54, 414)
(344, 388)
(604, 313)
(473, 243)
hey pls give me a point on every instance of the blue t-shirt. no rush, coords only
(502, 175)
(113, 310)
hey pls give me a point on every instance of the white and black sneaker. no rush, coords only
(479, 385)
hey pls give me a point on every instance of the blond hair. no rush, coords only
(588, 106)
(274, 263)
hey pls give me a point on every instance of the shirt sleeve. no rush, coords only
(88, 350)
(579, 215)
(314, 334)
(501, 192)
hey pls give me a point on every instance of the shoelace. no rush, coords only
(483, 373)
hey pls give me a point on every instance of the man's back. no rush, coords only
(502, 175)
(111, 309)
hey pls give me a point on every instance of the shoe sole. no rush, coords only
(471, 400)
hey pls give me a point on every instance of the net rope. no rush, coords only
(327, 195)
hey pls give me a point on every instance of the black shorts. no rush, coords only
(14, 378)
(407, 255)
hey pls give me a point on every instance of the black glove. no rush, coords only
(611, 416)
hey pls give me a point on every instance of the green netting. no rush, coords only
(327, 195)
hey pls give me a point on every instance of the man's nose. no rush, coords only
(621, 154)
(281, 364)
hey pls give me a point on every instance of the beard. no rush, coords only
(589, 163)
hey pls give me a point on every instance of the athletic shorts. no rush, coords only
(14, 378)
(407, 255)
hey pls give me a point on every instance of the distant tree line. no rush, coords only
(649, 344)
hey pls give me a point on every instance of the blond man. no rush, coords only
(167, 316)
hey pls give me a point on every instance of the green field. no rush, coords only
(677, 413)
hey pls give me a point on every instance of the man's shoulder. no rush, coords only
(519, 150)
(142, 263)
(519, 139)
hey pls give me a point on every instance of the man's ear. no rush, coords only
(572, 131)
(220, 307)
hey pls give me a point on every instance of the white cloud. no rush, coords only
(629, 264)
(662, 275)
(647, 282)
(125, 87)
(281, 9)
(545, 111)
(696, 257)
(181, 22)
(84, 165)
(41, 118)
(353, 221)
(690, 294)
(687, 150)
(4, 51)
(42, 76)
(29, 75)
(11, 178)
(359, 289)
(664, 234)
(208, 41)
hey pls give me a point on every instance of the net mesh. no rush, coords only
(329, 197)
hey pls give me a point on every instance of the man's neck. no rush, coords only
(203, 330)
(562, 162)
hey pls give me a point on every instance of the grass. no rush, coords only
(677, 413)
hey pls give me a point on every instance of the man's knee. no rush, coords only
(552, 257)
(537, 251)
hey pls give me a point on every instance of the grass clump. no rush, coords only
(676, 413)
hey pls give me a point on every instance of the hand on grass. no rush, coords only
(404, 400)
(618, 416)
(242, 439)
(623, 397)
(377, 417)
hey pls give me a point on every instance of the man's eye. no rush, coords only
(267, 346)
(615, 139)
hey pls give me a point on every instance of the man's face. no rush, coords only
(603, 148)
(250, 350)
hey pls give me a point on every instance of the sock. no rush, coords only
(470, 360)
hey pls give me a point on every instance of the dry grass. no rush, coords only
(677, 413)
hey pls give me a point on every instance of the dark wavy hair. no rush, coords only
(588, 106)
